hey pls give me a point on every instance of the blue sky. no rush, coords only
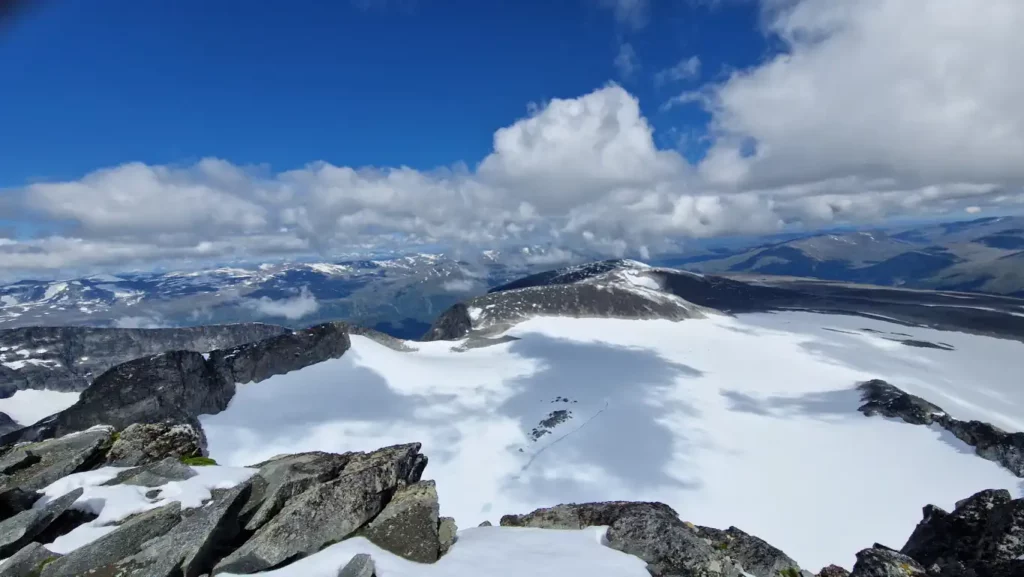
(387, 83)
(136, 133)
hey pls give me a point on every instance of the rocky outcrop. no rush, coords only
(651, 531)
(27, 562)
(33, 466)
(408, 525)
(178, 386)
(880, 561)
(143, 443)
(833, 571)
(69, 358)
(989, 442)
(452, 324)
(18, 531)
(258, 361)
(754, 554)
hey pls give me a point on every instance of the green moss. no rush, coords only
(789, 572)
(42, 565)
(722, 546)
(198, 461)
(115, 437)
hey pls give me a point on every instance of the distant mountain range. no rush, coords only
(982, 255)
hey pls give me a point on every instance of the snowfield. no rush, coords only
(29, 406)
(749, 421)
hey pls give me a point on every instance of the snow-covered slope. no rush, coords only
(749, 421)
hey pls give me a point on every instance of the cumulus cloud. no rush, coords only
(631, 13)
(294, 308)
(460, 285)
(138, 322)
(874, 109)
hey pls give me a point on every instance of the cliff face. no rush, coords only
(69, 358)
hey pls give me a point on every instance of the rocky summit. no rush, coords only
(294, 506)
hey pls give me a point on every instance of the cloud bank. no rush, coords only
(874, 109)
(295, 308)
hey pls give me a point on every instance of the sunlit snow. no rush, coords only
(747, 421)
(29, 406)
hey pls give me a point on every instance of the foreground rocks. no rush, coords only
(989, 442)
(293, 506)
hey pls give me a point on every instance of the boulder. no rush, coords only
(282, 478)
(453, 324)
(650, 531)
(28, 561)
(361, 565)
(408, 525)
(144, 443)
(328, 512)
(192, 547)
(756, 555)
(254, 362)
(881, 398)
(833, 571)
(881, 561)
(19, 530)
(447, 533)
(154, 474)
(947, 539)
(33, 466)
(119, 544)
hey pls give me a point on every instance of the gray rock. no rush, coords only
(254, 362)
(447, 533)
(453, 324)
(650, 531)
(833, 571)
(15, 500)
(880, 561)
(485, 524)
(328, 512)
(990, 442)
(154, 474)
(119, 544)
(361, 565)
(947, 539)
(19, 530)
(143, 443)
(73, 356)
(193, 546)
(32, 466)
(408, 525)
(7, 424)
(756, 555)
(1003, 538)
(881, 398)
(282, 478)
(28, 561)
(176, 386)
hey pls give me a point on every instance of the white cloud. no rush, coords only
(921, 91)
(877, 108)
(626, 61)
(632, 13)
(460, 285)
(297, 307)
(972, 209)
(138, 323)
(685, 69)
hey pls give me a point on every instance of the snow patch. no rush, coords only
(54, 289)
(115, 503)
(29, 406)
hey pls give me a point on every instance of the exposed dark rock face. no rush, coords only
(282, 478)
(19, 530)
(178, 386)
(833, 571)
(7, 424)
(26, 562)
(68, 358)
(328, 512)
(881, 561)
(881, 398)
(989, 442)
(453, 324)
(255, 362)
(140, 443)
(756, 555)
(33, 466)
(408, 525)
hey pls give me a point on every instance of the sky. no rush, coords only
(134, 133)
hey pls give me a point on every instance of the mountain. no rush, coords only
(730, 400)
(983, 255)
(400, 295)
